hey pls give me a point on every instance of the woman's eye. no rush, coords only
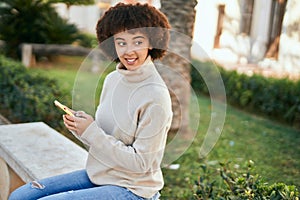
(121, 43)
(138, 42)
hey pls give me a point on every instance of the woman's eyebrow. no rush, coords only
(119, 39)
(134, 38)
(138, 37)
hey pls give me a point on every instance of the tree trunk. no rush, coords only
(181, 15)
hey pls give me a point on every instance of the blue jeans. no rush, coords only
(74, 185)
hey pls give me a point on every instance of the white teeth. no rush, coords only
(131, 60)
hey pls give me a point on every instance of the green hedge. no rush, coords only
(278, 99)
(27, 97)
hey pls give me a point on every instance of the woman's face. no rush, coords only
(132, 48)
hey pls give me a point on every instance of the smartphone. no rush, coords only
(63, 107)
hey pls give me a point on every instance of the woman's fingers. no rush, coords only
(71, 128)
(78, 123)
(81, 114)
(69, 118)
(69, 122)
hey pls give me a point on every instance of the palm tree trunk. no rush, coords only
(181, 15)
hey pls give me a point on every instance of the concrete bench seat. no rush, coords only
(33, 151)
(31, 50)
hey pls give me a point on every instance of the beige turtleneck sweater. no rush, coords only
(128, 137)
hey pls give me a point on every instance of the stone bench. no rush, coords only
(31, 50)
(33, 151)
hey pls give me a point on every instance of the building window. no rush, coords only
(246, 14)
(277, 13)
(221, 9)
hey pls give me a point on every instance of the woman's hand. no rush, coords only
(78, 123)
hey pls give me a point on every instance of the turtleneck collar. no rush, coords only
(139, 74)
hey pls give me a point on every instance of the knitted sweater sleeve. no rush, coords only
(146, 152)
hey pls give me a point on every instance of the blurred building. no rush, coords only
(86, 17)
(265, 33)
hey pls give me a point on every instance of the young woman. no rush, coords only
(128, 135)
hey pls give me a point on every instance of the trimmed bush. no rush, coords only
(278, 99)
(87, 40)
(27, 97)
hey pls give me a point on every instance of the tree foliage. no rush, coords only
(34, 21)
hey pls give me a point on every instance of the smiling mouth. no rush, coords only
(130, 61)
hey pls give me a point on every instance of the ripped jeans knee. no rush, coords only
(52, 185)
(37, 185)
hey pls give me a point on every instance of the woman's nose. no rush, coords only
(130, 49)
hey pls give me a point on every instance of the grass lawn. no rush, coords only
(274, 148)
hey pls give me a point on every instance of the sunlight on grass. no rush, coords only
(274, 148)
(69, 76)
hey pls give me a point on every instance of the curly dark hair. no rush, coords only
(134, 18)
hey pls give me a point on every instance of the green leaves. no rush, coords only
(240, 184)
(34, 21)
(27, 97)
(278, 99)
